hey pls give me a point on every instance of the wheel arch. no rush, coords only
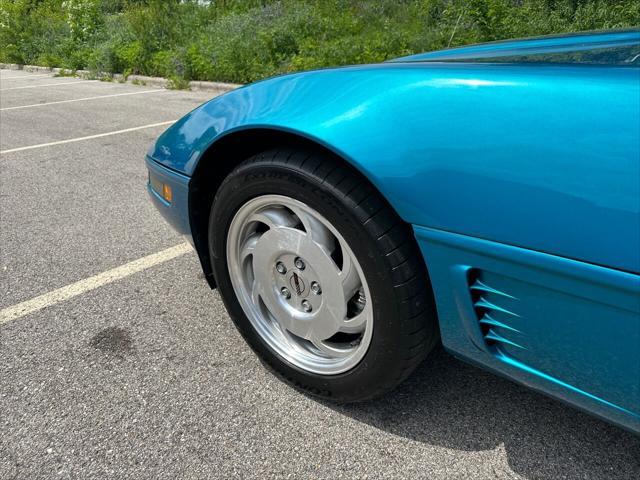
(220, 158)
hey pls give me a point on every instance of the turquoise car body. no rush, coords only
(517, 164)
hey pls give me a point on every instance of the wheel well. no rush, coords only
(217, 162)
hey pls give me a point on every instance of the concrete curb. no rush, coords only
(214, 87)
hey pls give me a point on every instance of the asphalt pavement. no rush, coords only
(139, 373)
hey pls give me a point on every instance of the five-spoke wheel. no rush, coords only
(300, 284)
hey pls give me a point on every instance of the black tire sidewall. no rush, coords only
(376, 369)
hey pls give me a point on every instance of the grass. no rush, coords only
(246, 40)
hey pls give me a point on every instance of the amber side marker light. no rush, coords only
(166, 192)
(161, 188)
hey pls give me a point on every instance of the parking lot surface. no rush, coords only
(139, 372)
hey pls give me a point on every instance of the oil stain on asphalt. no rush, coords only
(114, 341)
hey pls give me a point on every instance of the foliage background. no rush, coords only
(245, 40)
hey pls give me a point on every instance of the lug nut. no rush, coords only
(315, 288)
(306, 306)
(299, 263)
(281, 268)
(284, 291)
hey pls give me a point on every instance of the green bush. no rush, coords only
(246, 40)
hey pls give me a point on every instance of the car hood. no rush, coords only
(624, 43)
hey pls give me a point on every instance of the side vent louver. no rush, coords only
(493, 319)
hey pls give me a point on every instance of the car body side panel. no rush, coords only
(543, 157)
(564, 327)
(523, 178)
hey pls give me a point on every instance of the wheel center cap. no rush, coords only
(297, 285)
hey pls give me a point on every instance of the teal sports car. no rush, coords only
(486, 198)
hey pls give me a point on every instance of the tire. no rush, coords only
(401, 313)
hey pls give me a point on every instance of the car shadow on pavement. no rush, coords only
(454, 405)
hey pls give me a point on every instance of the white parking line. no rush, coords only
(46, 85)
(27, 76)
(79, 139)
(157, 90)
(78, 288)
